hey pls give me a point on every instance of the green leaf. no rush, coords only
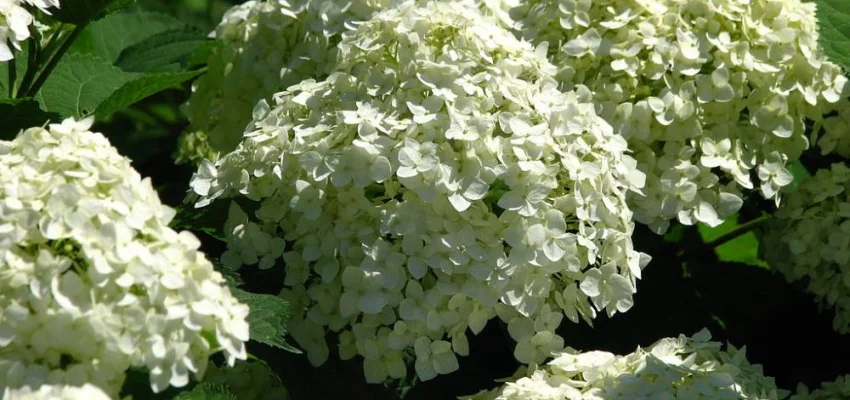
(169, 51)
(118, 5)
(139, 88)
(231, 276)
(800, 173)
(79, 84)
(79, 12)
(207, 391)
(742, 249)
(248, 380)
(267, 318)
(20, 68)
(208, 220)
(18, 114)
(108, 37)
(834, 26)
(675, 233)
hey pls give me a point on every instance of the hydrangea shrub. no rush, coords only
(417, 168)
(671, 368)
(92, 279)
(413, 205)
(709, 94)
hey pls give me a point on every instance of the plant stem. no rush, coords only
(738, 231)
(32, 64)
(13, 74)
(54, 60)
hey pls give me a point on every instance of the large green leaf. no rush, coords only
(251, 380)
(79, 12)
(108, 37)
(208, 220)
(206, 391)
(141, 87)
(19, 114)
(168, 51)
(741, 249)
(267, 318)
(80, 83)
(834, 27)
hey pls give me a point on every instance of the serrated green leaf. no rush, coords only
(118, 5)
(233, 279)
(207, 391)
(108, 37)
(742, 249)
(79, 84)
(208, 220)
(142, 86)
(267, 318)
(169, 51)
(79, 12)
(834, 27)
(248, 380)
(19, 114)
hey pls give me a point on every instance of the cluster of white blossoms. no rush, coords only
(15, 23)
(436, 179)
(268, 45)
(56, 392)
(673, 368)
(837, 390)
(92, 279)
(710, 94)
(809, 240)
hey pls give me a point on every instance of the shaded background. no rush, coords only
(782, 326)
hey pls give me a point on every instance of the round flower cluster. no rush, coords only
(92, 279)
(672, 368)
(436, 179)
(708, 93)
(840, 389)
(268, 45)
(53, 392)
(809, 239)
(15, 23)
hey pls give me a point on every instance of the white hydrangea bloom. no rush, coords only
(708, 93)
(56, 392)
(92, 279)
(672, 368)
(436, 179)
(15, 23)
(839, 389)
(809, 240)
(268, 45)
